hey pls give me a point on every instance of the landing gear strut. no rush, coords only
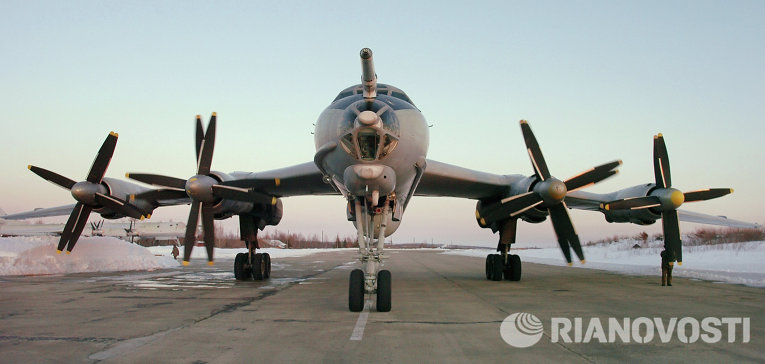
(371, 280)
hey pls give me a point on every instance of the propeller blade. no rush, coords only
(154, 196)
(53, 177)
(118, 205)
(73, 228)
(672, 242)
(535, 153)
(633, 203)
(158, 180)
(592, 176)
(206, 150)
(564, 229)
(69, 227)
(191, 232)
(707, 194)
(78, 227)
(208, 225)
(242, 194)
(200, 135)
(661, 162)
(103, 158)
(512, 206)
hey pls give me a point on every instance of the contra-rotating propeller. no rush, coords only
(549, 193)
(203, 189)
(666, 199)
(90, 194)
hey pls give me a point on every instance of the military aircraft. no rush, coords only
(371, 148)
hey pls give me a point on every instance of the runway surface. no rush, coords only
(444, 310)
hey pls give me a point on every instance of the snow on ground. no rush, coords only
(742, 263)
(37, 255)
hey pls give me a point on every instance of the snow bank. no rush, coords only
(740, 263)
(37, 255)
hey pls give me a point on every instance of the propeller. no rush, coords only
(89, 194)
(549, 193)
(666, 199)
(198, 188)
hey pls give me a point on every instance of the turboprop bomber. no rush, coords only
(371, 149)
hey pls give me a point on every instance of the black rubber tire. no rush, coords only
(499, 267)
(267, 259)
(257, 267)
(239, 271)
(383, 291)
(515, 268)
(356, 291)
(489, 264)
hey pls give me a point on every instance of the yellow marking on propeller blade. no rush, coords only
(273, 200)
(679, 263)
(483, 222)
(584, 261)
(199, 116)
(148, 216)
(58, 251)
(215, 113)
(731, 190)
(68, 252)
(277, 181)
(660, 136)
(570, 264)
(29, 167)
(671, 263)
(127, 175)
(114, 134)
(211, 263)
(524, 122)
(185, 263)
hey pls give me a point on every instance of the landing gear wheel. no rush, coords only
(383, 291)
(267, 260)
(515, 268)
(497, 268)
(239, 271)
(257, 267)
(356, 291)
(489, 265)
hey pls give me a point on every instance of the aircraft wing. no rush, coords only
(446, 180)
(696, 217)
(298, 180)
(37, 213)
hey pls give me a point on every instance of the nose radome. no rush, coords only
(368, 118)
(368, 171)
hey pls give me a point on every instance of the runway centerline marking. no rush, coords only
(361, 323)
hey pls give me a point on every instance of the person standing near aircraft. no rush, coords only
(175, 251)
(666, 268)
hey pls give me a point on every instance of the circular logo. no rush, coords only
(521, 330)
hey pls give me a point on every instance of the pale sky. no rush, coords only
(595, 79)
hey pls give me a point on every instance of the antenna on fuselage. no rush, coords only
(368, 75)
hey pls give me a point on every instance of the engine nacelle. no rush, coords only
(640, 216)
(521, 186)
(224, 209)
(268, 214)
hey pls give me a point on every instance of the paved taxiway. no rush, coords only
(443, 311)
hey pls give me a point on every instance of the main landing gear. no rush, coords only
(252, 265)
(370, 280)
(504, 265)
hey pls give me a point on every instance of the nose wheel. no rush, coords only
(371, 279)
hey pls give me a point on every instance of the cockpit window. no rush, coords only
(348, 145)
(369, 140)
(389, 143)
